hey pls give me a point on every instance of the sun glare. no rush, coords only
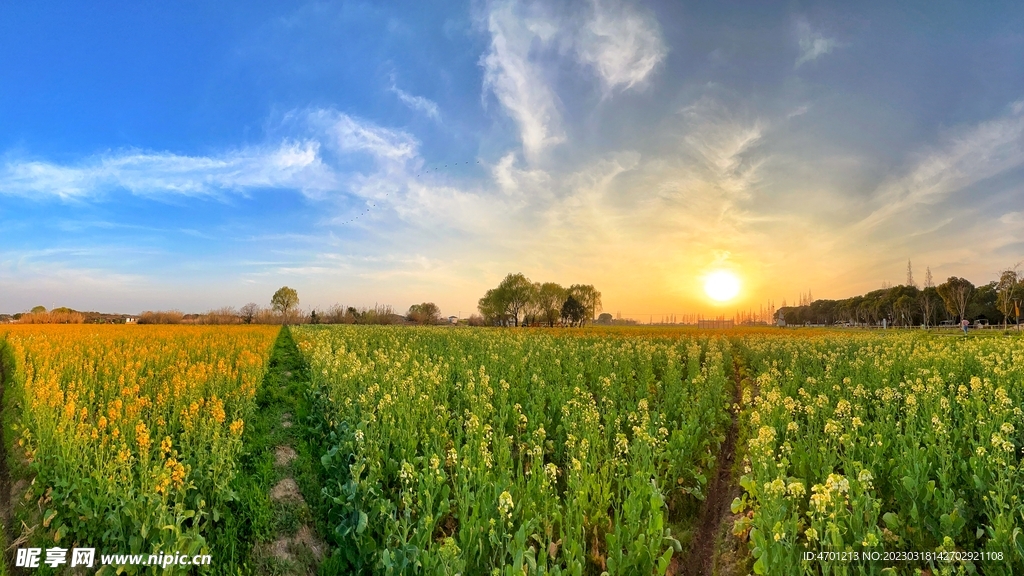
(722, 285)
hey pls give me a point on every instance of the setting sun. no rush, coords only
(722, 285)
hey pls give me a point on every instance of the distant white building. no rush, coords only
(131, 320)
(453, 319)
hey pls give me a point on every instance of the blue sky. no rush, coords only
(192, 156)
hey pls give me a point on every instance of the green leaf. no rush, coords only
(747, 483)
(363, 521)
(892, 521)
(664, 561)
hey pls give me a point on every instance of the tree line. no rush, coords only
(518, 301)
(954, 300)
(284, 309)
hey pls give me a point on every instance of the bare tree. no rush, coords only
(1006, 288)
(249, 312)
(929, 300)
(225, 315)
(910, 275)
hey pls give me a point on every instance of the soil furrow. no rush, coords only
(700, 558)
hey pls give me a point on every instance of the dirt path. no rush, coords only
(700, 558)
(292, 545)
(300, 549)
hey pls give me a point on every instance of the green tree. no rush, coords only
(425, 313)
(573, 312)
(518, 291)
(549, 299)
(494, 307)
(589, 298)
(284, 300)
(38, 310)
(985, 303)
(956, 294)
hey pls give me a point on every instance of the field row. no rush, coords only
(464, 451)
(866, 444)
(129, 437)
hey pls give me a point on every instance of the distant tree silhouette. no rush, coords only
(573, 312)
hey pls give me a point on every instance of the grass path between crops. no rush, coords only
(713, 550)
(280, 471)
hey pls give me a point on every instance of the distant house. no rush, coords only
(453, 319)
(131, 320)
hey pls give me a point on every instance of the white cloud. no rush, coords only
(622, 43)
(514, 181)
(348, 135)
(721, 143)
(292, 164)
(518, 81)
(798, 111)
(428, 107)
(965, 158)
(1014, 218)
(813, 44)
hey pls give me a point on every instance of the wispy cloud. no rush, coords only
(966, 157)
(517, 80)
(621, 42)
(425, 105)
(813, 44)
(292, 164)
(314, 164)
(722, 143)
(347, 134)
